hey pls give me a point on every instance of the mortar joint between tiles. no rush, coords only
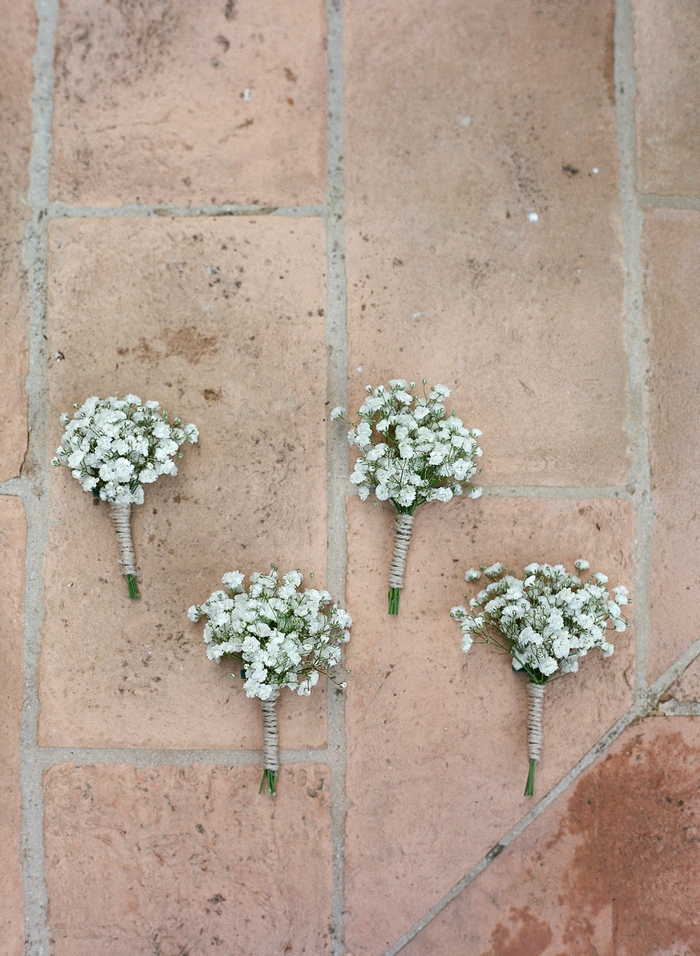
(632, 220)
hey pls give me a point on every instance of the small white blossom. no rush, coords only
(115, 446)
(411, 451)
(283, 637)
(548, 621)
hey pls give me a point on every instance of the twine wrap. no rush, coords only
(535, 695)
(402, 536)
(270, 741)
(121, 516)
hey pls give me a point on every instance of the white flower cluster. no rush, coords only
(115, 446)
(411, 452)
(283, 636)
(548, 620)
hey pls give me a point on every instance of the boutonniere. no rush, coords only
(116, 446)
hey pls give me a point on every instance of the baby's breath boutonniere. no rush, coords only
(546, 622)
(282, 637)
(116, 446)
(411, 452)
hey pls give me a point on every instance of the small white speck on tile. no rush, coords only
(532, 217)
(359, 368)
(70, 584)
(465, 121)
(595, 170)
(417, 315)
(246, 94)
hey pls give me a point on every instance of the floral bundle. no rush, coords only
(116, 446)
(282, 636)
(546, 622)
(411, 452)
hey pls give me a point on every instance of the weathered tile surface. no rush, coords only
(672, 302)
(668, 92)
(462, 121)
(188, 860)
(12, 544)
(610, 869)
(216, 101)
(16, 80)
(222, 322)
(437, 751)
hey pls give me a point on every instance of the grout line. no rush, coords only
(642, 707)
(337, 449)
(546, 491)
(653, 201)
(59, 210)
(162, 757)
(33, 486)
(632, 220)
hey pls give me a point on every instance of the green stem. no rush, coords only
(268, 782)
(394, 595)
(530, 785)
(133, 586)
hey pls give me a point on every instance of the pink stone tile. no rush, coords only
(16, 82)
(218, 101)
(437, 751)
(687, 687)
(671, 302)
(12, 548)
(668, 90)
(221, 320)
(187, 860)
(460, 123)
(610, 869)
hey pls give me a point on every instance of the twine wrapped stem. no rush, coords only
(535, 696)
(402, 537)
(270, 743)
(121, 516)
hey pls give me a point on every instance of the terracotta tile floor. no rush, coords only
(248, 211)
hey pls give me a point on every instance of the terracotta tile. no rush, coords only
(437, 751)
(687, 687)
(671, 301)
(221, 321)
(174, 860)
(215, 102)
(16, 83)
(611, 868)
(12, 547)
(668, 90)
(476, 117)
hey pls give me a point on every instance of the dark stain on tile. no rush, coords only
(526, 935)
(638, 817)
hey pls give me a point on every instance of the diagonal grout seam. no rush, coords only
(337, 448)
(33, 486)
(632, 221)
(58, 210)
(642, 707)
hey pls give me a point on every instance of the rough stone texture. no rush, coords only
(462, 120)
(687, 687)
(221, 321)
(216, 101)
(668, 93)
(437, 751)
(672, 302)
(611, 868)
(12, 545)
(190, 861)
(16, 80)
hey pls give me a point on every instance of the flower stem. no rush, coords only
(133, 587)
(530, 785)
(394, 595)
(268, 782)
